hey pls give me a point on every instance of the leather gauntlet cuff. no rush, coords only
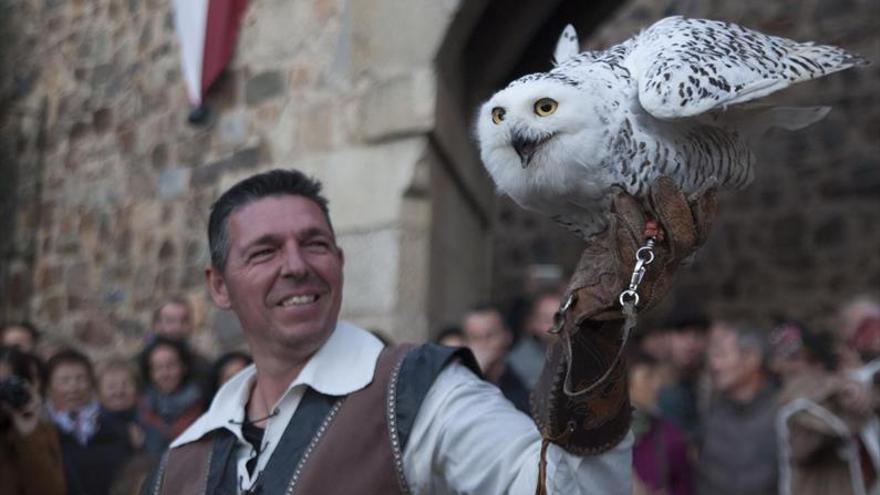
(581, 400)
(592, 414)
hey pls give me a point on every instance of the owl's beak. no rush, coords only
(525, 147)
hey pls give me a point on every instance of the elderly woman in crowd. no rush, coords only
(171, 400)
(93, 446)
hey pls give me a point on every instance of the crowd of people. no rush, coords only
(722, 407)
(719, 407)
(71, 425)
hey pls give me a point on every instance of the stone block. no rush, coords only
(166, 252)
(95, 332)
(392, 34)
(281, 137)
(263, 86)
(232, 128)
(193, 150)
(172, 183)
(244, 159)
(102, 120)
(382, 173)
(129, 328)
(284, 27)
(371, 272)
(401, 105)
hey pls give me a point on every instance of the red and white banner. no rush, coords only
(207, 31)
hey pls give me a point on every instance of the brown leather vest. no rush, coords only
(355, 450)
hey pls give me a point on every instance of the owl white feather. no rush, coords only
(657, 104)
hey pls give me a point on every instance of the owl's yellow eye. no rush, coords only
(545, 107)
(498, 115)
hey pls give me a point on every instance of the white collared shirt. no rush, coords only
(466, 438)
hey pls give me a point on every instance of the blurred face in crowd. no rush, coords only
(230, 369)
(70, 387)
(283, 275)
(541, 318)
(656, 344)
(790, 364)
(117, 390)
(729, 365)
(166, 369)
(173, 321)
(487, 336)
(19, 338)
(645, 382)
(687, 347)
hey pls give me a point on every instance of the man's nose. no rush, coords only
(293, 264)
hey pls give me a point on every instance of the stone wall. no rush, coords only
(112, 205)
(805, 236)
(105, 188)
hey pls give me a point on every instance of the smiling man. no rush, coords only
(327, 408)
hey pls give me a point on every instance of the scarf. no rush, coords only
(82, 424)
(170, 406)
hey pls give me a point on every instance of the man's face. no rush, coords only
(283, 275)
(19, 338)
(173, 322)
(487, 337)
(729, 365)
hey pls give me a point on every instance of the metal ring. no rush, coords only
(643, 250)
(629, 294)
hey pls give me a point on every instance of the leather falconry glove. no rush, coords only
(581, 401)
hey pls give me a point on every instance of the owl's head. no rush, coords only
(540, 123)
(543, 123)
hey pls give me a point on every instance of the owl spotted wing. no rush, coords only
(685, 67)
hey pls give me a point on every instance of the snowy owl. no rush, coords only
(657, 104)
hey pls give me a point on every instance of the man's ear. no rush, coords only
(217, 287)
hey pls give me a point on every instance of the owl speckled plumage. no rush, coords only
(657, 104)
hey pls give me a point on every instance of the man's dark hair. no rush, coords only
(70, 356)
(484, 307)
(276, 182)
